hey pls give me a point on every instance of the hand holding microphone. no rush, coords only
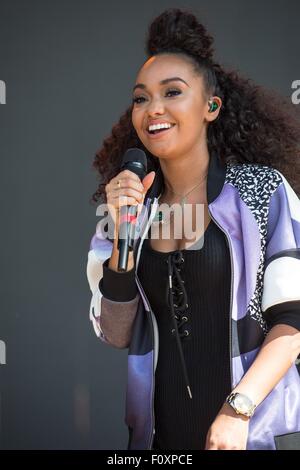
(125, 193)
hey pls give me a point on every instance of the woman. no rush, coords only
(212, 323)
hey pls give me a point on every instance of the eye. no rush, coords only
(137, 99)
(172, 92)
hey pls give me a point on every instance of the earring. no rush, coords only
(212, 106)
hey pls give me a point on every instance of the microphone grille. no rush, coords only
(135, 155)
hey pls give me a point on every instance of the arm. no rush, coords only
(281, 296)
(277, 354)
(281, 309)
(115, 297)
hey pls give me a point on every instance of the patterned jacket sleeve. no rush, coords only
(281, 285)
(115, 296)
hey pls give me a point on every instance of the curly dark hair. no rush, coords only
(255, 125)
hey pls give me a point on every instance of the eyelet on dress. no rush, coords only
(185, 318)
(186, 332)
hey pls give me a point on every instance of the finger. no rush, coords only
(121, 201)
(129, 174)
(148, 180)
(127, 183)
(120, 181)
(207, 442)
(210, 445)
(138, 195)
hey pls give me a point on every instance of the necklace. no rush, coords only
(159, 215)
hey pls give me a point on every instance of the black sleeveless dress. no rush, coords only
(201, 276)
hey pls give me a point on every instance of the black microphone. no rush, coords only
(134, 160)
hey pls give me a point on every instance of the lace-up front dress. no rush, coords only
(189, 291)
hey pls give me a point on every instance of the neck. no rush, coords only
(182, 174)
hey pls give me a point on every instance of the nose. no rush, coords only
(155, 107)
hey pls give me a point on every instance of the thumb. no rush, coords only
(148, 180)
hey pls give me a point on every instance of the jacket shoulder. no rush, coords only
(253, 178)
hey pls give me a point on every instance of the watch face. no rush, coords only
(242, 403)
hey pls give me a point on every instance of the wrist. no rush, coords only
(241, 404)
(227, 410)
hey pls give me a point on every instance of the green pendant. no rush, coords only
(158, 216)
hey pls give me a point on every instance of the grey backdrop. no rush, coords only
(69, 67)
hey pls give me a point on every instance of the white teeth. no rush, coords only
(164, 125)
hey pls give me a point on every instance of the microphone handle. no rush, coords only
(126, 235)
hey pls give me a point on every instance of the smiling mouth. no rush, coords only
(159, 131)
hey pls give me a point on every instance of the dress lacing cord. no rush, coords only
(177, 300)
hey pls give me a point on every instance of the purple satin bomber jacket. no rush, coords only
(259, 213)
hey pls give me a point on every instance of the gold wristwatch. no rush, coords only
(241, 404)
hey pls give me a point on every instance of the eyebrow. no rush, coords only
(162, 82)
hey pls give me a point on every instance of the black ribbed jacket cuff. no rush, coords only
(118, 286)
(288, 318)
(287, 313)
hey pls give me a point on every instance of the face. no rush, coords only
(181, 103)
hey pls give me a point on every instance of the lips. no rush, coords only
(160, 134)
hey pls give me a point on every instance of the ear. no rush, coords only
(212, 115)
